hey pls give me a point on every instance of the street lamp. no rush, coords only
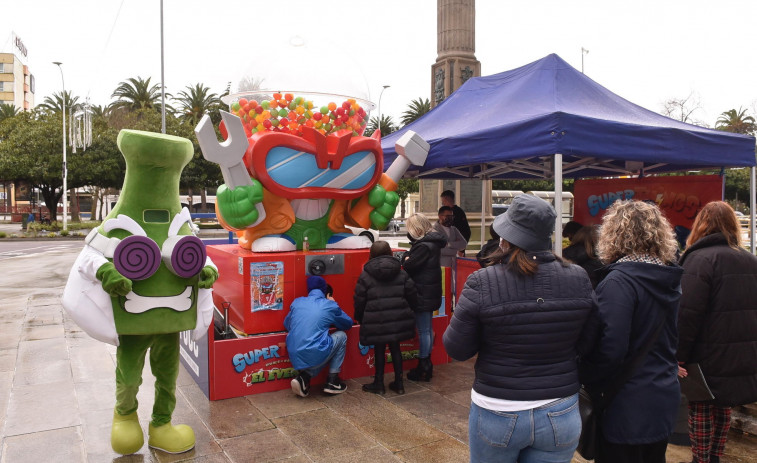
(65, 168)
(378, 125)
(583, 52)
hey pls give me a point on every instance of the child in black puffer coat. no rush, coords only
(384, 295)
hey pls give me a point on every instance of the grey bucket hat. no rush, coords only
(528, 223)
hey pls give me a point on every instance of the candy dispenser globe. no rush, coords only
(300, 87)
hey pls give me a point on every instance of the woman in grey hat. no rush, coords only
(524, 316)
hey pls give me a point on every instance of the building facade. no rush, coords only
(16, 82)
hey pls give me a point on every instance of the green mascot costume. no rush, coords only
(141, 279)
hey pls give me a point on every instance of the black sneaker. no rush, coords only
(334, 385)
(301, 384)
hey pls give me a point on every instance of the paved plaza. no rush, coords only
(57, 396)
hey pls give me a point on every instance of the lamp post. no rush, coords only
(583, 52)
(378, 125)
(65, 167)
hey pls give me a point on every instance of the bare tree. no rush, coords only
(683, 109)
(249, 83)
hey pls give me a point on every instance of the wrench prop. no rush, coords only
(228, 154)
(412, 149)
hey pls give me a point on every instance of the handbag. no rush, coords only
(591, 409)
(587, 442)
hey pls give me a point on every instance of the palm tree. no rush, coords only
(736, 121)
(7, 110)
(415, 110)
(133, 94)
(54, 104)
(387, 126)
(195, 102)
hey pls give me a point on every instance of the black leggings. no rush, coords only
(380, 351)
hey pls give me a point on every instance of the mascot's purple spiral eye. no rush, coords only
(184, 255)
(137, 257)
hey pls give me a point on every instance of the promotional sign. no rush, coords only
(679, 197)
(260, 363)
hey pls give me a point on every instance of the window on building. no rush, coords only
(2, 86)
(2, 68)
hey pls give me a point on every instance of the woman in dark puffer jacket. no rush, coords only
(383, 296)
(421, 262)
(717, 325)
(526, 319)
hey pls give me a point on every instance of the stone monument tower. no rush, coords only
(455, 63)
(455, 47)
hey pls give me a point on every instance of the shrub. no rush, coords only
(63, 233)
(3, 234)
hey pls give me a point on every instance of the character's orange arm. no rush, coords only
(279, 218)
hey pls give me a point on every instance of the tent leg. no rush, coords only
(558, 205)
(483, 209)
(751, 207)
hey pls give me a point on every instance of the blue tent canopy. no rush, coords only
(511, 124)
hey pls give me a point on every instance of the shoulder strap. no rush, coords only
(630, 366)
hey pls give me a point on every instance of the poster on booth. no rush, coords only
(679, 197)
(267, 285)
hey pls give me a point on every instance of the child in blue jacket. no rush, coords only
(309, 343)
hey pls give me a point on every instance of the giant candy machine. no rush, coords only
(297, 171)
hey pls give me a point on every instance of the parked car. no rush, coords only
(396, 226)
(498, 209)
(371, 234)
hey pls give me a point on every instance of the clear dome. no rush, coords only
(297, 87)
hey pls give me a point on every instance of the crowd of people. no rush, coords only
(623, 314)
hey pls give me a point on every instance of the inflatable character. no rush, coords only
(286, 191)
(140, 280)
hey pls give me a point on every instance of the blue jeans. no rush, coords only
(425, 334)
(336, 356)
(548, 434)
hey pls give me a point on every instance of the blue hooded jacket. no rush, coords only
(629, 300)
(308, 323)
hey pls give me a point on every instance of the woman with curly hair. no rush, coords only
(717, 325)
(637, 302)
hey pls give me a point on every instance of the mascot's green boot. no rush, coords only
(170, 438)
(126, 435)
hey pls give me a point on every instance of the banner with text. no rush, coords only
(679, 197)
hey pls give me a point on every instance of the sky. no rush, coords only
(645, 51)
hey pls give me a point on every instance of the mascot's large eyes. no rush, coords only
(156, 216)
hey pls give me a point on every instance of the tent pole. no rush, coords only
(558, 204)
(483, 209)
(751, 207)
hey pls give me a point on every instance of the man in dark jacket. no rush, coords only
(460, 220)
(309, 344)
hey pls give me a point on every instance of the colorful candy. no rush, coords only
(288, 113)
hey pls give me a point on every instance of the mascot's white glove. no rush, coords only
(208, 276)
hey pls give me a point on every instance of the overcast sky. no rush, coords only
(645, 51)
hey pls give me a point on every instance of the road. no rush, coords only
(15, 249)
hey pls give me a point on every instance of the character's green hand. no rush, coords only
(385, 204)
(113, 282)
(208, 276)
(237, 206)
